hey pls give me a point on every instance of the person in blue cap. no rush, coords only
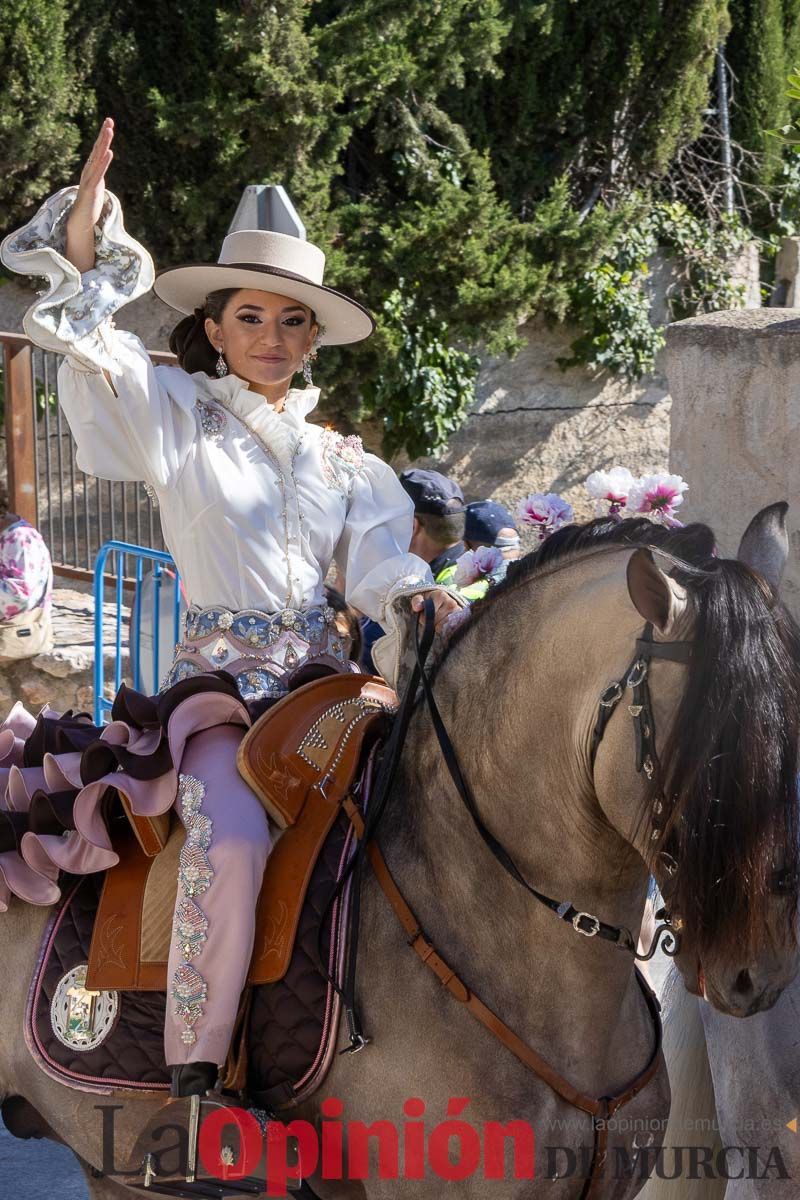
(489, 528)
(489, 523)
(438, 521)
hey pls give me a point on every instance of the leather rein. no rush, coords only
(585, 923)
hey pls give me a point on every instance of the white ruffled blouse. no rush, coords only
(254, 504)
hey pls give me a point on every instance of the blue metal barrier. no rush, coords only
(163, 563)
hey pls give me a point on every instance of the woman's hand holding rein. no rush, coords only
(89, 202)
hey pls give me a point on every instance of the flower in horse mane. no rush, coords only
(477, 564)
(546, 513)
(658, 496)
(610, 488)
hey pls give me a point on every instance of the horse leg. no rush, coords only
(693, 1112)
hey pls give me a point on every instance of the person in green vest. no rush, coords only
(489, 523)
(492, 540)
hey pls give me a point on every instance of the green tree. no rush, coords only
(38, 102)
(462, 165)
(756, 51)
(601, 93)
(208, 98)
(791, 32)
(415, 209)
(343, 104)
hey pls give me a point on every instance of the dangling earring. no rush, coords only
(222, 366)
(310, 356)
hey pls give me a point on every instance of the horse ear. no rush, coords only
(765, 544)
(657, 597)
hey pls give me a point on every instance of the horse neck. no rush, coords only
(534, 970)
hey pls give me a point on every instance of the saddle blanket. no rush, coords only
(99, 1041)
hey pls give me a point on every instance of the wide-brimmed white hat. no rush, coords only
(271, 262)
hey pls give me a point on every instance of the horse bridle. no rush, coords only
(366, 822)
(635, 678)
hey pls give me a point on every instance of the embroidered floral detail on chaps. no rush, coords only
(195, 873)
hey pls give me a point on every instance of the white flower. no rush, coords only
(610, 489)
(466, 570)
(544, 509)
(488, 559)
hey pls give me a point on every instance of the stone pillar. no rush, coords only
(787, 274)
(734, 378)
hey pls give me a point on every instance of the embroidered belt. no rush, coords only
(260, 649)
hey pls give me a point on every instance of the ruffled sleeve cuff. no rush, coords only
(390, 651)
(74, 316)
(389, 580)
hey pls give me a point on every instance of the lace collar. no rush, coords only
(280, 431)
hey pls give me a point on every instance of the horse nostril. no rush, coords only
(743, 982)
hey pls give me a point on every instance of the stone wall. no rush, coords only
(63, 678)
(536, 428)
(735, 421)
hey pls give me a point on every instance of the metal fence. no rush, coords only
(155, 617)
(76, 513)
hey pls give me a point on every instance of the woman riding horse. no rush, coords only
(255, 505)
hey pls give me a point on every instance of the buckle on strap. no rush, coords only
(638, 673)
(594, 927)
(611, 696)
(357, 1043)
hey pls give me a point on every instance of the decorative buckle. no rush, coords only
(611, 696)
(638, 673)
(576, 920)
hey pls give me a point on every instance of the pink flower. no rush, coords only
(545, 512)
(657, 496)
(488, 559)
(477, 564)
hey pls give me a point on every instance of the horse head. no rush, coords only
(718, 827)
(647, 694)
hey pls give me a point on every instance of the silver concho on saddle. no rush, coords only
(82, 1018)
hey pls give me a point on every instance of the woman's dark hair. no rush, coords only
(189, 340)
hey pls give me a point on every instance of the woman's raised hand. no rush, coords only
(88, 204)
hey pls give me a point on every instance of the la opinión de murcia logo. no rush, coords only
(233, 1144)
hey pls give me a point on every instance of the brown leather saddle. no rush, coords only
(300, 758)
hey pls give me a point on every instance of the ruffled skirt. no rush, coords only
(62, 776)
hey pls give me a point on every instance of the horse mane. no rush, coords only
(730, 760)
(692, 544)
